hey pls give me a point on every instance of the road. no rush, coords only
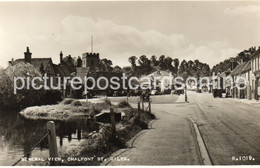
(230, 130)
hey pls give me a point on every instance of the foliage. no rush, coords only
(195, 69)
(123, 104)
(226, 64)
(24, 97)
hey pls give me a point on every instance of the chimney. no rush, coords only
(241, 61)
(233, 63)
(11, 63)
(27, 55)
(61, 57)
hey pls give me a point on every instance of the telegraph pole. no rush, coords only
(91, 43)
(186, 98)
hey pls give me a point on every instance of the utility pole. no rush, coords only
(186, 98)
(91, 43)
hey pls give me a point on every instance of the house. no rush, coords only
(66, 68)
(242, 70)
(255, 81)
(157, 77)
(43, 65)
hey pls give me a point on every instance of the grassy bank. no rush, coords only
(65, 110)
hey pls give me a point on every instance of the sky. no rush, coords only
(208, 31)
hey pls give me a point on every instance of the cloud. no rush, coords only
(242, 10)
(113, 41)
(118, 42)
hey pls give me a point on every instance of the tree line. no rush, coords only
(144, 66)
(226, 64)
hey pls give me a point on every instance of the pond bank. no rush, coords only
(101, 143)
(65, 110)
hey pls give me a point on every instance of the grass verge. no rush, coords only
(65, 110)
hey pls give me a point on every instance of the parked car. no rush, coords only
(198, 90)
(178, 90)
(167, 91)
(218, 87)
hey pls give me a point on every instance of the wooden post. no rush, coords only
(138, 109)
(186, 98)
(149, 106)
(113, 122)
(52, 142)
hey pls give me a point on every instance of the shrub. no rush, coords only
(76, 103)
(24, 97)
(123, 104)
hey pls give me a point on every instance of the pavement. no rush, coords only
(169, 141)
(230, 132)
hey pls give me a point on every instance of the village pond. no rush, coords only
(18, 135)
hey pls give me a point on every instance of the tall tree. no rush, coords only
(153, 60)
(107, 64)
(132, 60)
(176, 64)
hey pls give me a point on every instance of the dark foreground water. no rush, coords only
(18, 135)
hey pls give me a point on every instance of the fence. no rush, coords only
(51, 134)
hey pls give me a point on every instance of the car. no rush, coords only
(179, 91)
(198, 90)
(167, 91)
(217, 93)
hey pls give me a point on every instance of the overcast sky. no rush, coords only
(208, 31)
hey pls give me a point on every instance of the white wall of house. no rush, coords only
(255, 66)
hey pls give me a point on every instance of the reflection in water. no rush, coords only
(18, 135)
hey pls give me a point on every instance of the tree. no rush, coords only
(117, 69)
(176, 64)
(24, 97)
(107, 64)
(132, 60)
(143, 61)
(79, 62)
(153, 60)
(162, 64)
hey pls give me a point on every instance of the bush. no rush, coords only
(51, 97)
(76, 103)
(123, 104)
(24, 97)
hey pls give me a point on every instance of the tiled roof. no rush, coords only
(246, 66)
(61, 70)
(36, 62)
(256, 52)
